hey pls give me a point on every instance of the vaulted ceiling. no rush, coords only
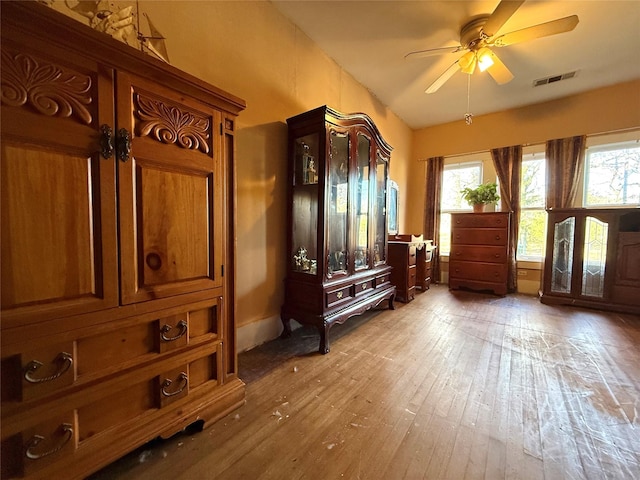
(369, 39)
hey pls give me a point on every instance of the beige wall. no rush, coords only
(594, 112)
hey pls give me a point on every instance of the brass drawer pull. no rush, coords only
(364, 286)
(64, 360)
(167, 383)
(339, 295)
(182, 325)
(32, 444)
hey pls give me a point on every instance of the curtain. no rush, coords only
(433, 186)
(565, 164)
(508, 164)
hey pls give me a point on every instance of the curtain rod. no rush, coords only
(601, 134)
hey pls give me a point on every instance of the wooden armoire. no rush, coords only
(117, 247)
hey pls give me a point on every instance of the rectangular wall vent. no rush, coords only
(554, 78)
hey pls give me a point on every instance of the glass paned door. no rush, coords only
(361, 260)
(380, 209)
(595, 257)
(562, 262)
(338, 193)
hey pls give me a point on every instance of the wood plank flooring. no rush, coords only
(454, 385)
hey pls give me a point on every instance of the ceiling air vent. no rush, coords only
(554, 78)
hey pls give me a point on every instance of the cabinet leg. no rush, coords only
(286, 323)
(391, 305)
(324, 339)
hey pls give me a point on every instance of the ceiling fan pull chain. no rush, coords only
(468, 117)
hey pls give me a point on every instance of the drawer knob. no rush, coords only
(497, 255)
(182, 329)
(182, 385)
(154, 262)
(63, 361)
(497, 237)
(339, 295)
(364, 286)
(31, 450)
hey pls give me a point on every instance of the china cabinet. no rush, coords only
(479, 251)
(337, 220)
(117, 247)
(593, 258)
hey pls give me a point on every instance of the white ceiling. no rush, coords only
(369, 39)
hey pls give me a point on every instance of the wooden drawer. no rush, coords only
(338, 296)
(382, 280)
(361, 288)
(149, 335)
(485, 272)
(411, 276)
(37, 373)
(480, 220)
(39, 447)
(478, 253)
(485, 236)
(412, 255)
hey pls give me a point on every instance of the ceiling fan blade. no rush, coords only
(432, 52)
(499, 17)
(448, 73)
(499, 71)
(553, 27)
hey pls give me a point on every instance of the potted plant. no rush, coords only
(480, 196)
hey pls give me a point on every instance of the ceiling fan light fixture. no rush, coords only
(468, 62)
(485, 58)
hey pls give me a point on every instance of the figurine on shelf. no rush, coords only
(300, 260)
(309, 166)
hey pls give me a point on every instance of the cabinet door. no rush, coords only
(380, 210)
(361, 208)
(337, 211)
(58, 192)
(170, 193)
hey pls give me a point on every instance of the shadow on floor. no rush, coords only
(304, 341)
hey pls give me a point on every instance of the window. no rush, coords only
(533, 218)
(454, 178)
(612, 175)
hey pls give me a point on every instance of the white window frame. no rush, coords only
(606, 143)
(529, 154)
(467, 161)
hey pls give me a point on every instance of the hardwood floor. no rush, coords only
(454, 385)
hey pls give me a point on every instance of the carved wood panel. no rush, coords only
(169, 123)
(50, 89)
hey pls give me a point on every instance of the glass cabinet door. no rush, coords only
(305, 205)
(595, 257)
(338, 195)
(380, 209)
(363, 170)
(562, 262)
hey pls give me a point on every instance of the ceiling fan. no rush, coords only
(479, 35)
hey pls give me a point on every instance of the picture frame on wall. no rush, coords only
(392, 208)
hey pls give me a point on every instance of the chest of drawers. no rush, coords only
(479, 251)
(410, 258)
